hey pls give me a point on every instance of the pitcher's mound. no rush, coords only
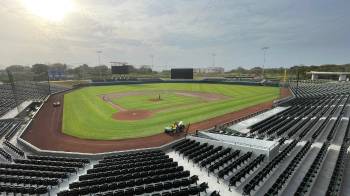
(132, 115)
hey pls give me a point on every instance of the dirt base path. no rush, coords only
(45, 131)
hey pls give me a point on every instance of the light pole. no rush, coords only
(265, 48)
(99, 57)
(99, 61)
(213, 55)
(152, 60)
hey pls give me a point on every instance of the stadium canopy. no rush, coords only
(315, 74)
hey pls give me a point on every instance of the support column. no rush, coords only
(314, 77)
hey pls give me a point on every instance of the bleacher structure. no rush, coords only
(307, 154)
(13, 95)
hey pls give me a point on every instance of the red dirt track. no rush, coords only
(45, 130)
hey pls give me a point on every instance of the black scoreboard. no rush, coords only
(123, 69)
(183, 73)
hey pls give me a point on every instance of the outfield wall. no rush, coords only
(206, 81)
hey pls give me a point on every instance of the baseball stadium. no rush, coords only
(174, 98)
(175, 136)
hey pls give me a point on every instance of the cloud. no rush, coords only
(180, 33)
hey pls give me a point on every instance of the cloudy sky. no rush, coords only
(178, 33)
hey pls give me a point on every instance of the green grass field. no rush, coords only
(86, 115)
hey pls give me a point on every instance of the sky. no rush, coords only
(177, 33)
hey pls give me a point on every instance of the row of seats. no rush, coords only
(224, 160)
(38, 167)
(50, 163)
(235, 164)
(8, 125)
(337, 122)
(31, 190)
(338, 172)
(11, 132)
(184, 191)
(198, 152)
(309, 177)
(115, 168)
(284, 176)
(214, 155)
(5, 155)
(13, 148)
(246, 170)
(268, 169)
(33, 173)
(29, 180)
(124, 162)
(62, 159)
(133, 155)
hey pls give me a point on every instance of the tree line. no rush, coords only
(40, 72)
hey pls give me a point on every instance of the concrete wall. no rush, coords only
(270, 154)
(252, 83)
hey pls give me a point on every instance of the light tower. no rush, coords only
(99, 61)
(152, 60)
(213, 55)
(99, 57)
(265, 48)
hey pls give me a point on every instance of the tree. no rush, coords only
(39, 68)
(257, 71)
(17, 68)
(145, 69)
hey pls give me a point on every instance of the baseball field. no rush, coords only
(132, 111)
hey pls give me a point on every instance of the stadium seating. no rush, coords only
(338, 173)
(281, 180)
(23, 91)
(5, 155)
(263, 174)
(37, 174)
(311, 173)
(313, 124)
(13, 148)
(9, 127)
(149, 172)
(245, 171)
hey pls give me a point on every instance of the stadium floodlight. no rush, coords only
(152, 60)
(213, 55)
(99, 62)
(99, 57)
(265, 48)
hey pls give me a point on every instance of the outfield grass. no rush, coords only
(87, 116)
